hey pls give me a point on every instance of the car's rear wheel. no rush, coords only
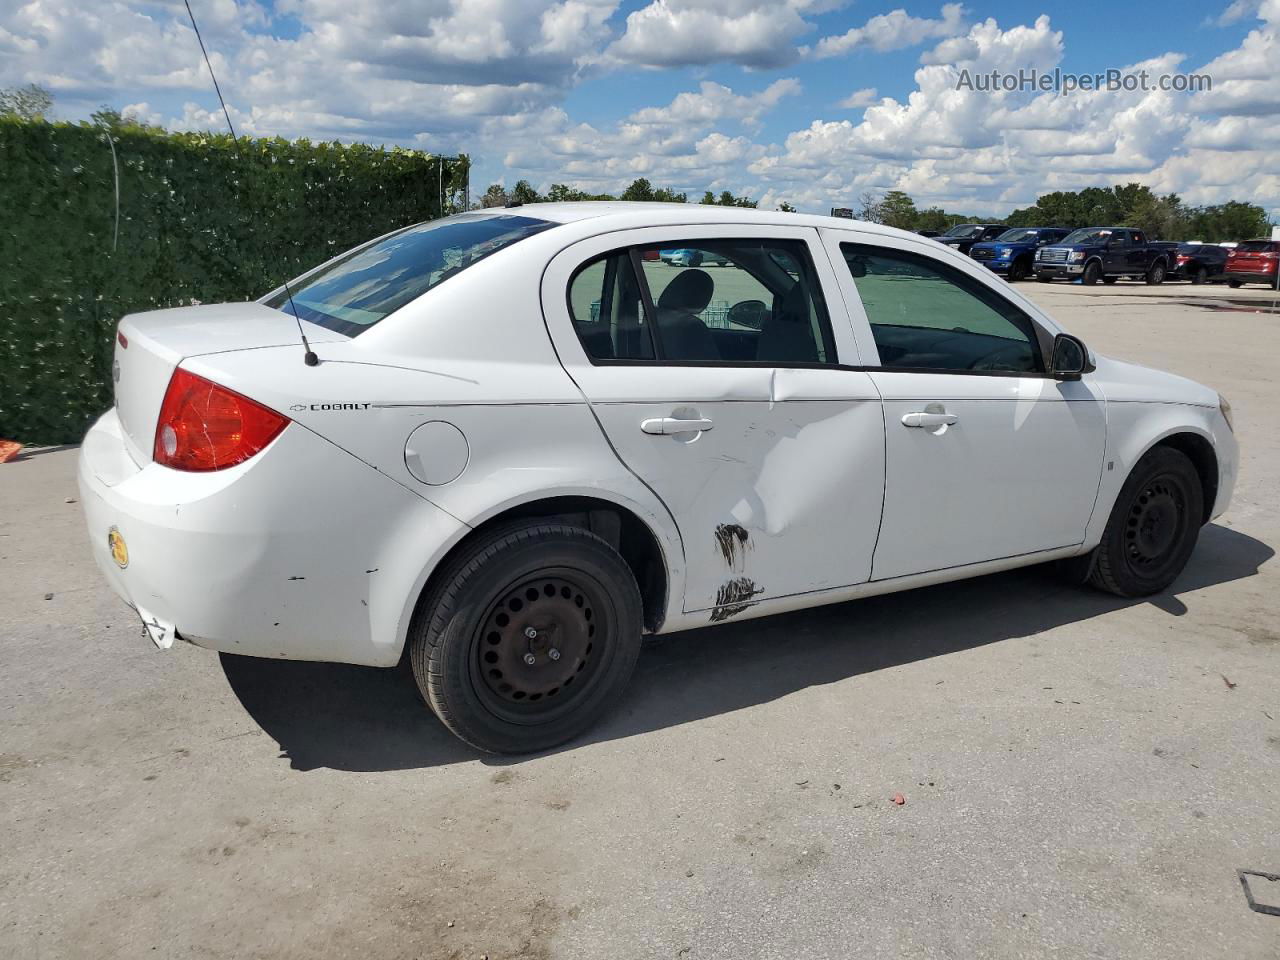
(1153, 526)
(1235, 284)
(528, 637)
(1109, 280)
(1092, 274)
(1155, 276)
(1200, 276)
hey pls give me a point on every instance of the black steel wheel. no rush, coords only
(527, 637)
(1200, 276)
(1019, 269)
(1153, 526)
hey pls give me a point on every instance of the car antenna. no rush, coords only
(309, 358)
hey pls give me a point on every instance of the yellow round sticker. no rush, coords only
(119, 552)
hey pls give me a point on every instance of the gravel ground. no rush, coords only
(1083, 775)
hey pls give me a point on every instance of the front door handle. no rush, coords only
(669, 426)
(923, 419)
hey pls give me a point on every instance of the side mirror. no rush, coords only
(1070, 358)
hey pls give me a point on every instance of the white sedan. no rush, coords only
(519, 440)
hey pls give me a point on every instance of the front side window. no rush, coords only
(364, 286)
(927, 315)
(712, 301)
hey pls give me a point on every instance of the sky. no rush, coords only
(812, 102)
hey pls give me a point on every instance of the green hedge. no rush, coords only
(196, 224)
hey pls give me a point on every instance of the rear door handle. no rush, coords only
(669, 426)
(923, 419)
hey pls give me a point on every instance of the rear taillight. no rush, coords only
(204, 426)
(1182, 259)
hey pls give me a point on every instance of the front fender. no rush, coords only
(1135, 427)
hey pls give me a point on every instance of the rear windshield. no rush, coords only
(363, 286)
(1257, 246)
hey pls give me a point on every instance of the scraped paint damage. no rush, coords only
(733, 597)
(732, 539)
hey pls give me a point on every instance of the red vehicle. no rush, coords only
(1253, 261)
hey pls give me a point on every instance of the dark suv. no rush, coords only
(1199, 262)
(964, 235)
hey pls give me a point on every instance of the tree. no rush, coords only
(897, 209)
(641, 190)
(1232, 220)
(32, 102)
(667, 195)
(870, 207)
(495, 196)
(523, 192)
(785, 207)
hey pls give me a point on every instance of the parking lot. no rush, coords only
(1082, 775)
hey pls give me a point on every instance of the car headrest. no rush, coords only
(690, 291)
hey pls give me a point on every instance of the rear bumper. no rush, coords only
(303, 552)
(1268, 278)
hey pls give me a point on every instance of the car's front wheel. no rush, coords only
(1153, 526)
(528, 637)
(1092, 273)
(1018, 270)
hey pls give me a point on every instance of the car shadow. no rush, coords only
(367, 719)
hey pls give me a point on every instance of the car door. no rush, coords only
(1116, 255)
(720, 387)
(987, 457)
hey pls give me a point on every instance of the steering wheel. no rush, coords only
(1012, 357)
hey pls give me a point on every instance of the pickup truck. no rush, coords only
(1013, 251)
(1106, 254)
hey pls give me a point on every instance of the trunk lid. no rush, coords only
(149, 346)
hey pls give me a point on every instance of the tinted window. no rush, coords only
(1087, 235)
(608, 310)
(928, 315)
(363, 286)
(737, 301)
(1258, 246)
(964, 230)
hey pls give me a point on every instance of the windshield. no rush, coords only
(364, 286)
(964, 231)
(1087, 235)
(1018, 235)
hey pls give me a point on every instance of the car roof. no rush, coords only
(619, 214)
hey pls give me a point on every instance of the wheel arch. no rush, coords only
(650, 556)
(1133, 430)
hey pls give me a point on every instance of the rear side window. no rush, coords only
(608, 310)
(926, 315)
(364, 286)
(711, 301)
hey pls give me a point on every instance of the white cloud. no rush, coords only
(752, 33)
(895, 30)
(859, 98)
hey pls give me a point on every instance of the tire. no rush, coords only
(1200, 276)
(1235, 284)
(1092, 273)
(580, 599)
(1155, 276)
(1109, 280)
(1042, 278)
(1018, 270)
(1153, 526)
